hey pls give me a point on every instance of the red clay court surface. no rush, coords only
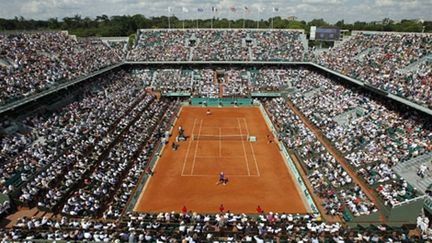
(256, 171)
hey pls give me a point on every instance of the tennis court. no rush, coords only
(256, 172)
(220, 144)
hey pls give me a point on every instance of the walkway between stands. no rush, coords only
(317, 200)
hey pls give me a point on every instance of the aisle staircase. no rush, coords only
(344, 118)
(408, 170)
(413, 66)
(312, 92)
(305, 44)
(363, 53)
(4, 62)
(221, 90)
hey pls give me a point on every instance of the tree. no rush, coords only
(126, 25)
(318, 23)
(293, 24)
(53, 24)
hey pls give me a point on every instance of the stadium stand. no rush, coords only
(373, 140)
(205, 82)
(329, 180)
(119, 46)
(83, 160)
(193, 227)
(399, 63)
(217, 45)
(32, 62)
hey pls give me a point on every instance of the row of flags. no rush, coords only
(215, 10)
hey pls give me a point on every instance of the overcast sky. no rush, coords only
(330, 10)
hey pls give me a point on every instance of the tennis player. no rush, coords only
(222, 179)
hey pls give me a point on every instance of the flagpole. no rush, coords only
(244, 14)
(259, 15)
(184, 10)
(169, 22)
(260, 10)
(229, 14)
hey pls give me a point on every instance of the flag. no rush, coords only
(275, 9)
(169, 10)
(200, 10)
(233, 9)
(185, 10)
(214, 9)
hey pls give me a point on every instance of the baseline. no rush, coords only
(226, 175)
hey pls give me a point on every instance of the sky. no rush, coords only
(329, 10)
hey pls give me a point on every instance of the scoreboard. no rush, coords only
(324, 33)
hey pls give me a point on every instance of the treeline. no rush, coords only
(126, 25)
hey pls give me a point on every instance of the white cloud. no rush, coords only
(330, 10)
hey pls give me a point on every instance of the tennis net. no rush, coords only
(220, 137)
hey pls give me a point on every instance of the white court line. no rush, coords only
(253, 151)
(244, 149)
(196, 148)
(188, 148)
(220, 143)
(156, 163)
(222, 157)
(221, 127)
(223, 135)
(215, 175)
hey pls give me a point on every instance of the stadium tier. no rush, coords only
(81, 163)
(195, 227)
(32, 62)
(218, 45)
(396, 63)
(399, 63)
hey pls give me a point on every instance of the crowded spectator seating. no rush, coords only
(373, 135)
(218, 45)
(32, 62)
(80, 141)
(72, 159)
(84, 160)
(47, 137)
(213, 45)
(120, 47)
(166, 45)
(236, 82)
(399, 63)
(111, 174)
(199, 82)
(173, 80)
(271, 78)
(340, 196)
(277, 46)
(206, 82)
(193, 227)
